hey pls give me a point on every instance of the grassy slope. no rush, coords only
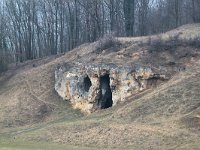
(165, 118)
(157, 120)
(24, 145)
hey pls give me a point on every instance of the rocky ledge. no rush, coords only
(100, 86)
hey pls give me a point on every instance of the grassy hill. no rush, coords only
(33, 116)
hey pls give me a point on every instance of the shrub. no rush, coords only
(3, 64)
(106, 42)
(158, 44)
(195, 41)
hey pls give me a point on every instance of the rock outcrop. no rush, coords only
(100, 86)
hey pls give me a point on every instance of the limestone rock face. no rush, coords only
(99, 86)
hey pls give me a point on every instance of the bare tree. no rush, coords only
(32, 29)
(129, 13)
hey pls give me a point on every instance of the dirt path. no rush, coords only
(35, 96)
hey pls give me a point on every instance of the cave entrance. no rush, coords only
(87, 83)
(105, 100)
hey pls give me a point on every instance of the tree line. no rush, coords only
(31, 29)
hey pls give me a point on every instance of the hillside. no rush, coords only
(162, 117)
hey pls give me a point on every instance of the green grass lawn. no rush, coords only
(7, 144)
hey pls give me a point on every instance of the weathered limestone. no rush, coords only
(100, 86)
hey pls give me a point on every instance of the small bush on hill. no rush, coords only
(107, 42)
(195, 41)
(3, 64)
(159, 44)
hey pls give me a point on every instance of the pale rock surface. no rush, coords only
(99, 86)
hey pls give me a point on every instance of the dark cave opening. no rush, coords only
(105, 100)
(87, 83)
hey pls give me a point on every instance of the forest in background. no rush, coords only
(31, 29)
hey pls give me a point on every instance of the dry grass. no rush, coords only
(163, 118)
(154, 120)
